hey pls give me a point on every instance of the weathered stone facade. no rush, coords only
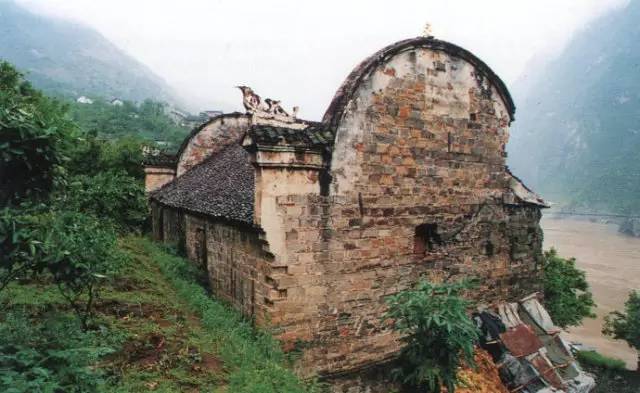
(209, 139)
(404, 179)
(156, 177)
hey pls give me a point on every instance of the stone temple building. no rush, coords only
(308, 226)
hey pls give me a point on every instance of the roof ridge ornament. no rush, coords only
(267, 108)
(428, 30)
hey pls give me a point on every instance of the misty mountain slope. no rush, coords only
(68, 59)
(576, 139)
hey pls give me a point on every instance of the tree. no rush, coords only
(626, 326)
(111, 196)
(437, 332)
(148, 121)
(33, 130)
(80, 253)
(124, 154)
(20, 249)
(566, 292)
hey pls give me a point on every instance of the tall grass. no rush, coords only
(254, 359)
(596, 359)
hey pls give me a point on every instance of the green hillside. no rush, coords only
(576, 139)
(68, 59)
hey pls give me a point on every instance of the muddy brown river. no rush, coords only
(612, 263)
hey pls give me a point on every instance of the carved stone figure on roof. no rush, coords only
(267, 108)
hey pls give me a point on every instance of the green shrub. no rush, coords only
(566, 292)
(80, 253)
(437, 332)
(124, 154)
(33, 131)
(50, 354)
(114, 197)
(626, 325)
(595, 359)
(20, 247)
(90, 155)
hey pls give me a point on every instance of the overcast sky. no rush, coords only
(300, 51)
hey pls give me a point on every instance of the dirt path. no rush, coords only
(612, 263)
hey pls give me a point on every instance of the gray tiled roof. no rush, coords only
(161, 159)
(316, 135)
(221, 186)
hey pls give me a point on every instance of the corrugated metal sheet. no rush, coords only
(521, 341)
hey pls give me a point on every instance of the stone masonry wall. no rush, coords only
(212, 138)
(195, 229)
(156, 221)
(172, 226)
(421, 145)
(156, 177)
(236, 263)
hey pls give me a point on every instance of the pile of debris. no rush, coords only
(528, 350)
(483, 378)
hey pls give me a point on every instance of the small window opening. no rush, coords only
(489, 249)
(426, 238)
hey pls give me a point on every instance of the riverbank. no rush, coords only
(612, 264)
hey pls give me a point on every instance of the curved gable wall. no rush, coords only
(417, 184)
(412, 111)
(210, 138)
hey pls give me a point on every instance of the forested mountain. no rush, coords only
(576, 139)
(68, 59)
(147, 120)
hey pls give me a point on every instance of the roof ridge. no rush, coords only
(350, 85)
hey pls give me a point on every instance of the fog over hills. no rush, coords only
(576, 139)
(69, 59)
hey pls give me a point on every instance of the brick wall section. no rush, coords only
(236, 265)
(210, 139)
(421, 143)
(156, 221)
(196, 240)
(156, 177)
(236, 258)
(173, 227)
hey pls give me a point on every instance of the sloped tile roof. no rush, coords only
(221, 186)
(161, 159)
(316, 135)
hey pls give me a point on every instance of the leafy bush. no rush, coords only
(626, 325)
(596, 359)
(124, 154)
(437, 332)
(48, 355)
(90, 155)
(33, 130)
(80, 253)
(113, 196)
(566, 292)
(20, 249)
